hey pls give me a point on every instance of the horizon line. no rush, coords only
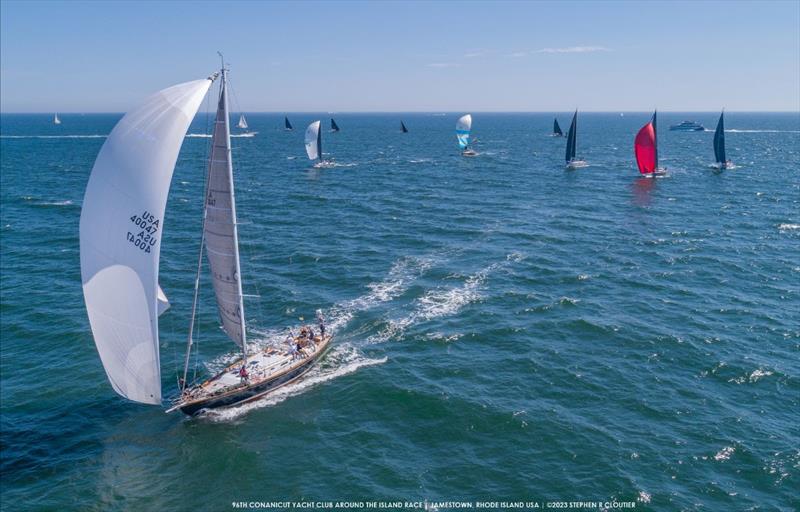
(94, 112)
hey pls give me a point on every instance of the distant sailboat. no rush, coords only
(557, 129)
(314, 141)
(286, 124)
(56, 120)
(572, 143)
(645, 148)
(334, 126)
(403, 127)
(242, 122)
(719, 143)
(463, 129)
(127, 193)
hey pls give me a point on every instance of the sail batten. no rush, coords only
(220, 231)
(122, 219)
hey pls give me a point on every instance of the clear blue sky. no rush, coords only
(382, 56)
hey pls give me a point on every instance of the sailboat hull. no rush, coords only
(254, 389)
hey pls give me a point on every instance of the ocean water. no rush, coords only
(505, 329)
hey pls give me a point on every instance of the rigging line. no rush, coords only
(196, 296)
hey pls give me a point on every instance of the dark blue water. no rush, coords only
(505, 329)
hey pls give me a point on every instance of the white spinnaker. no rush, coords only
(463, 127)
(120, 236)
(222, 247)
(312, 141)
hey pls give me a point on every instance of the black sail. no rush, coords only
(334, 126)
(287, 124)
(556, 128)
(572, 138)
(719, 140)
(403, 127)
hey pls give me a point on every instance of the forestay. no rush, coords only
(120, 236)
(221, 237)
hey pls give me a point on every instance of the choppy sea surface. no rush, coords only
(505, 329)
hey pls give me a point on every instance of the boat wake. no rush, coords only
(330, 164)
(208, 135)
(441, 302)
(759, 131)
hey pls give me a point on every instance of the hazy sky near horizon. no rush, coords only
(406, 56)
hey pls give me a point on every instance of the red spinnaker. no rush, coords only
(645, 148)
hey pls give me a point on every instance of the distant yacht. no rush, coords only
(557, 129)
(286, 124)
(719, 144)
(572, 145)
(334, 126)
(645, 147)
(56, 120)
(403, 127)
(242, 122)
(463, 129)
(687, 126)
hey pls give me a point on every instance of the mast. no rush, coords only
(233, 208)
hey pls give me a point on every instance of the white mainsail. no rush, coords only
(314, 141)
(242, 122)
(221, 237)
(463, 127)
(120, 236)
(56, 120)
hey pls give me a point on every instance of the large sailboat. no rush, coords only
(120, 241)
(572, 144)
(334, 126)
(242, 122)
(286, 124)
(463, 130)
(719, 144)
(645, 147)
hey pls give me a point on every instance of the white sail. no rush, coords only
(120, 236)
(313, 141)
(163, 302)
(56, 120)
(222, 244)
(463, 127)
(242, 122)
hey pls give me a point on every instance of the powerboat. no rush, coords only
(687, 126)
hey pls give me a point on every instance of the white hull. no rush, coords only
(577, 164)
(469, 152)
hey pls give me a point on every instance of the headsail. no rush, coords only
(221, 234)
(334, 126)
(120, 236)
(403, 127)
(286, 124)
(314, 141)
(463, 128)
(572, 135)
(719, 141)
(556, 128)
(645, 148)
(242, 122)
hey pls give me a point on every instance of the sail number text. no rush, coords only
(143, 236)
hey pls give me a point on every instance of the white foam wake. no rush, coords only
(442, 302)
(208, 135)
